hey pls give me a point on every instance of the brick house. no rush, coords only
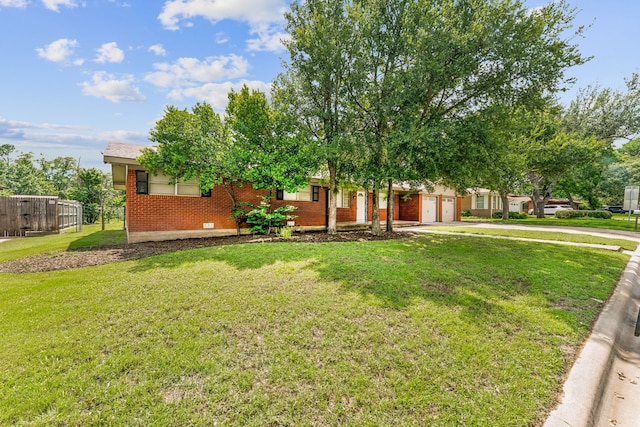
(159, 210)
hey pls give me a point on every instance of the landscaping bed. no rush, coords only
(89, 256)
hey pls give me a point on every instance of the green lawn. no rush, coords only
(91, 235)
(617, 223)
(544, 235)
(435, 330)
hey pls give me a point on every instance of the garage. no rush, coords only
(448, 209)
(429, 208)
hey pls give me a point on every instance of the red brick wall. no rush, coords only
(410, 208)
(147, 212)
(348, 214)
(383, 212)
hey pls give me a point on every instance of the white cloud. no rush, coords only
(58, 51)
(216, 93)
(269, 39)
(187, 71)
(158, 49)
(109, 52)
(13, 3)
(250, 11)
(221, 38)
(103, 85)
(55, 4)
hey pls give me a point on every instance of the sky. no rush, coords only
(77, 74)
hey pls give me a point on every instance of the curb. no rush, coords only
(581, 401)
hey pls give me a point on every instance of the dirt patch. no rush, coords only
(84, 257)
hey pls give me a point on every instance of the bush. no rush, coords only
(465, 214)
(262, 219)
(512, 215)
(583, 214)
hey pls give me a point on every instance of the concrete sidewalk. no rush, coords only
(603, 386)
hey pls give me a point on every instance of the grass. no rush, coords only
(436, 330)
(544, 235)
(616, 223)
(91, 235)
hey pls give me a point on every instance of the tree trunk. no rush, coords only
(375, 211)
(333, 191)
(504, 197)
(102, 215)
(571, 202)
(390, 207)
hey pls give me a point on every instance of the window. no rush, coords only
(315, 193)
(162, 185)
(382, 201)
(343, 199)
(303, 194)
(142, 182)
(496, 203)
(480, 202)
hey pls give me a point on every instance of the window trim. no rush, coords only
(140, 181)
(315, 193)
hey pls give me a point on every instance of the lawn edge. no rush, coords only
(582, 394)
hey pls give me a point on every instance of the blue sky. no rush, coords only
(79, 73)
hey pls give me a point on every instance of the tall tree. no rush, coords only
(403, 81)
(61, 173)
(314, 85)
(552, 152)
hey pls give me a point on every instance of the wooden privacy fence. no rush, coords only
(27, 215)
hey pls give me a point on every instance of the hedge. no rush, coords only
(583, 214)
(512, 215)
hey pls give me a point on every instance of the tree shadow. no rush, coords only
(99, 239)
(397, 273)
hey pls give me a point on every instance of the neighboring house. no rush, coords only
(159, 210)
(482, 202)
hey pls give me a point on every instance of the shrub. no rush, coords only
(512, 215)
(262, 219)
(465, 214)
(583, 214)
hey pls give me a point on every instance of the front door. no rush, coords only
(361, 208)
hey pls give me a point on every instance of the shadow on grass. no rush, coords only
(99, 239)
(474, 275)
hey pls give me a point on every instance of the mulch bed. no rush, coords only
(84, 257)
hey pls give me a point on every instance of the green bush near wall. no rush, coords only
(583, 214)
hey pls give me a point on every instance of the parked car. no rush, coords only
(615, 209)
(552, 209)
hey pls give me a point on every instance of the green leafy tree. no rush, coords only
(314, 86)
(26, 178)
(551, 152)
(392, 89)
(93, 189)
(60, 173)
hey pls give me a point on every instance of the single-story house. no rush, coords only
(482, 202)
(156, 209)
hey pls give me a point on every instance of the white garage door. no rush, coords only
(448, 209)
(429, 208)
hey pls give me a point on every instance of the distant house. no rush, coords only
(482, 202)
(156, 209)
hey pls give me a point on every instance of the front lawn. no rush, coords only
(627, 244)
(435, 330)
(612, 224)
(90, 236)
